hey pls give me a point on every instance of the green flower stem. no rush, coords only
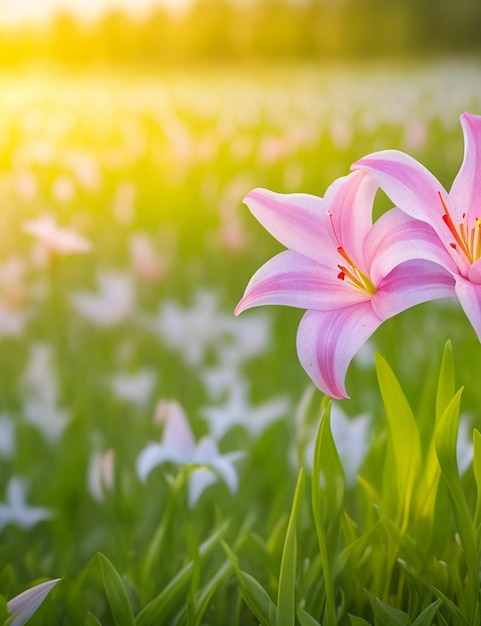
(153, 551)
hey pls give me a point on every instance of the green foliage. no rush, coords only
(254, 594)
(172, 598)
(4, 612)
(305, 619)
(115, 590)
(327, 502)
(286, 609)
(404, 451)
(426, 617)
(385, 614)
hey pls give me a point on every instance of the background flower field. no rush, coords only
(100, 351)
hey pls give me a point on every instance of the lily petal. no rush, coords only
(299, 221)
(396, 238)
(156, 454)
(26, 604)
(177, 435)
(469, 296)
(349, 200)
(409, 185)
(474, 272)
(465, 192)
(328, 340)
(292, 279)
(409, 284)
(199, 479)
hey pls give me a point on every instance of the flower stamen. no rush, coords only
(351, 272)
(466, 241)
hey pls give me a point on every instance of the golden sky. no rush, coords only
(14, 11)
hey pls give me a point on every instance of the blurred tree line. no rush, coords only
(222, 30)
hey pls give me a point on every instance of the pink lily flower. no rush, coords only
(349, 274)
(54, 238)
(454, 216)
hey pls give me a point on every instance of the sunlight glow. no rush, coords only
(12, 12)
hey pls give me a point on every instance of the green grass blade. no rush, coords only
(257, 599)
(92, 620)
(426, 617)
(117, 596)
(385, 614)
(254, 594)
(358, 621)
(286, 609)
(328, 474)
(172, 597)
(477, 477)
(403, 437)
(4, 612)
(205, 593)
(447, 602)
(446, 384)
(305, 619)
(429, 480)
(446, 438)
(328, 486)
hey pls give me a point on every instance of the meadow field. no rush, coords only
(157, 453)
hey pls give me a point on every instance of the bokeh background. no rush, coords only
(167, 32)
(141, 127)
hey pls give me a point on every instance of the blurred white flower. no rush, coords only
(7, 437)
(178, 446)
(85, 168)
(40, 400)
(135, 388)
(13, 295)
(145, 260)
(220, 378)
(246, 337)
(123, 206)
(113, 304)
(100, 477)
(12, 321)
(364, 357)
(415, 135)
(272, 149)
(12, 279)
(237, 411)
(202, 328)
(190, 331)
(16, 511)
(26, 185)
(464, 446)
(239, 343)
(232, 234)
(341, 131)
(55, 238)
(351, 437)
(63, 189)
